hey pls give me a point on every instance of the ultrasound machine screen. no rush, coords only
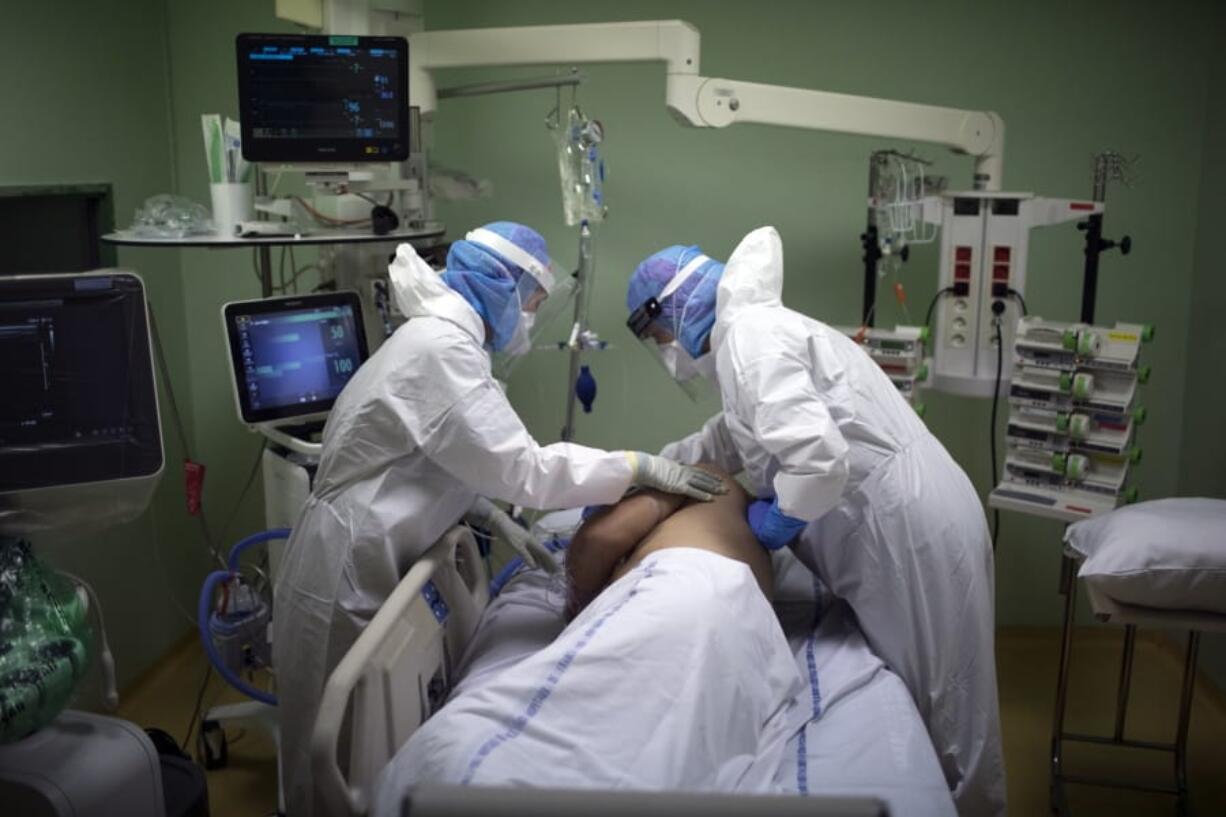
(79, 404)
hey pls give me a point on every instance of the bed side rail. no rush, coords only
(475, 801)
(398, 672)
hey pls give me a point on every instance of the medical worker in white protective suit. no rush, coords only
(421, 437)
(849, 477)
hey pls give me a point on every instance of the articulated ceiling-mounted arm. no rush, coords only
(718, 103)
(673, 42)
(703, 101)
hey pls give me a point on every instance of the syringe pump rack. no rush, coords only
(1073, 414)
(900, 354)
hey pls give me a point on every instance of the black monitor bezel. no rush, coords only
(80, 287)
(343, 151)
(272, 306)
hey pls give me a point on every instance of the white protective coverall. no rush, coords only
(420, 431)
(896, 528)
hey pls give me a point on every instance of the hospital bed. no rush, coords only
(867, 753)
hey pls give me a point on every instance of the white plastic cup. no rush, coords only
(233, 203)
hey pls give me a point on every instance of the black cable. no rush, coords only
(1000, 362)
(164, 370)
(238, 503)
(1013, 293)
(191, 724)
(933, 304)
(390, 198)
(281, 272)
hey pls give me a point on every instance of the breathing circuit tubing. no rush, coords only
(206, 602)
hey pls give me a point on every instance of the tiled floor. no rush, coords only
(1027, 661)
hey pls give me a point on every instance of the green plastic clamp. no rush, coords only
(1083, 385)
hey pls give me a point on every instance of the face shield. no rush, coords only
(659, 328)
(540, 296)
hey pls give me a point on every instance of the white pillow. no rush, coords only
(1169, 554)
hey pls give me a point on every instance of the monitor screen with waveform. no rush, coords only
(323, 98)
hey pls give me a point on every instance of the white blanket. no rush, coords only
(678, 676)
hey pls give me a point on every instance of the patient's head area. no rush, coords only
(615, 540)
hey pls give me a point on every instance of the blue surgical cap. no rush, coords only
(495, 286)
(689, 312)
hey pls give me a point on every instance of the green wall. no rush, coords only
(85, 96)
(200, 42)
(1068, 79)
(1203, 453)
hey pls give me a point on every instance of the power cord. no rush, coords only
(1000, 360)
(164, 370)
(238, 503)
(932, 305)
(191, 724)
(1013, 293)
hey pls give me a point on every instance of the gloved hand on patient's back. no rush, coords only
(486, 514)
(651, 471)
(773, 527)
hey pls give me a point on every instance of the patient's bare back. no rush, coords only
(718, 526)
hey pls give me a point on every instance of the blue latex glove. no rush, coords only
(773, 527)
(592, 510)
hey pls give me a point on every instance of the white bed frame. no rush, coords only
(399, 672)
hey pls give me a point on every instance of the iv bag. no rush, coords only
(580, 167)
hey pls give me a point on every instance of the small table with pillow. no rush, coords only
(1160, 563)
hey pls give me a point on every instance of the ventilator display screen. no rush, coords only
(79, 404)
(293, 356)
(319, 98)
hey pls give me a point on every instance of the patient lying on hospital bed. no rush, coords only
(617, 539)
(673, 674)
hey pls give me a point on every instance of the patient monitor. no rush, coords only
(323, 98)
(290, 358)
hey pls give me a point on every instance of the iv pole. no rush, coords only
(578, 333)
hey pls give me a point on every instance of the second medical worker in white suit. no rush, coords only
(420, 438)
(849, 477)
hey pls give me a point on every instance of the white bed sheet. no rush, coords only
(864, 736)
(677, 677)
